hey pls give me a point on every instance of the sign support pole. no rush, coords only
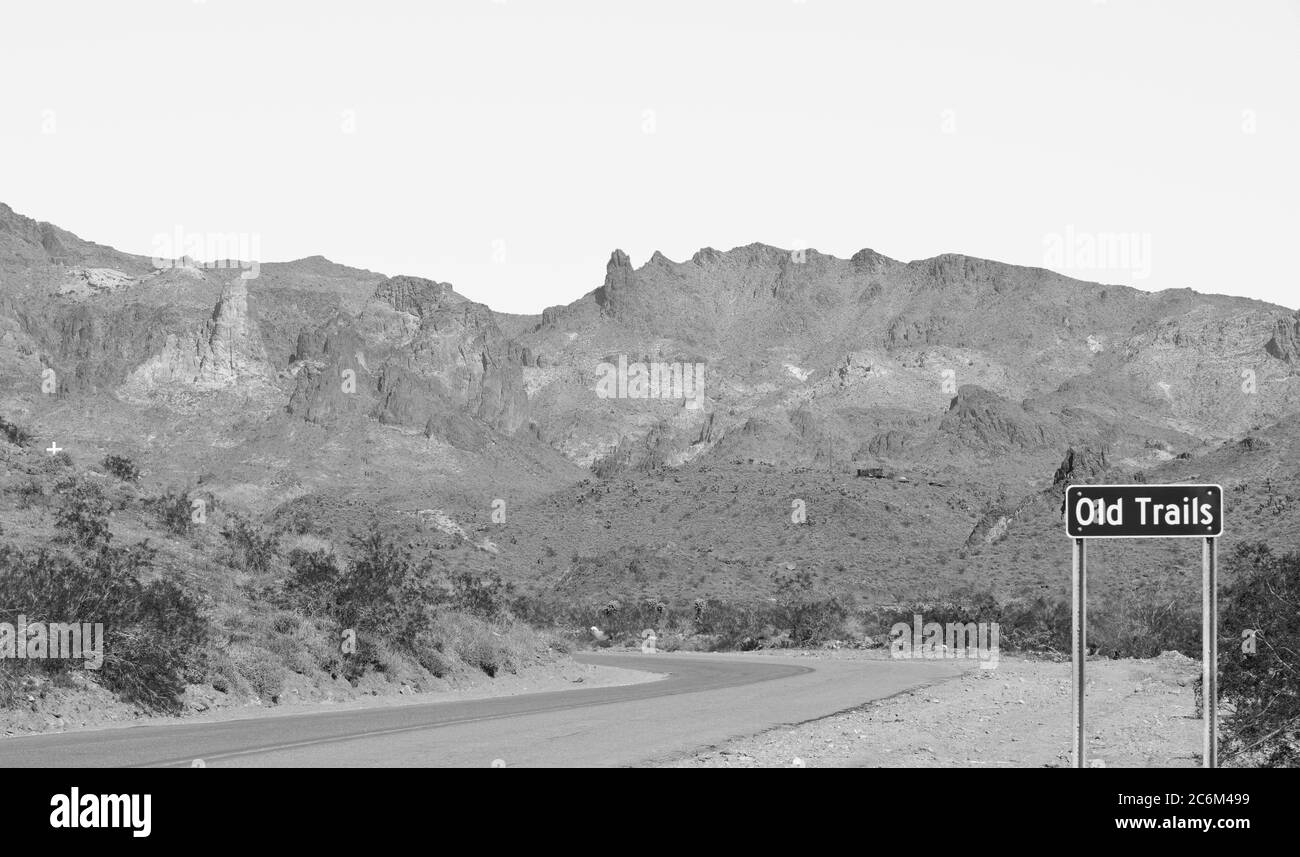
(1080, 642)
(1210, 653)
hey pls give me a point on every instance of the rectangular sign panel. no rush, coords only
(1143, 511)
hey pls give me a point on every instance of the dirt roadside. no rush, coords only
(1139, 714)
(86, 705)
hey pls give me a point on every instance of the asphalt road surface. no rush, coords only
(703, 700)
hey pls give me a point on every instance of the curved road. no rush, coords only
(702, 701)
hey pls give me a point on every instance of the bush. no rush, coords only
(251, 549)
(29, 492)
(173, 511)
(385, 593)
(82, 515)
(1143, 626)
(487, 596)
(312, 587)
(263, 673)
(808, 618)
(152, 632)
(56, 463)
(14, 433)
(121, 467)
(430, 652)
(1261, 687)
(489, 647)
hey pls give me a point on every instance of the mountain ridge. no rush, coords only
(316, 389)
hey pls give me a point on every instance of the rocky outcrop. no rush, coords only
(910, 331)
(415, 295)
(1079, 465)
(994, 524)
(983, 419)
(1285, 342)
(92, 348)
(226, 352)
(94, 282)
(620, 280)
(332, 380)
(887, 444)
(446, 370)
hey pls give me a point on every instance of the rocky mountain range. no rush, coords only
(922, 412)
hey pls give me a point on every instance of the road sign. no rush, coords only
(1147, 511)
(1143, 511)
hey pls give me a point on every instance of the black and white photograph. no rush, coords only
(609, 384)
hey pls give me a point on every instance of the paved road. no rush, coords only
(703, 701)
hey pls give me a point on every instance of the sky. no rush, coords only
(509, 146)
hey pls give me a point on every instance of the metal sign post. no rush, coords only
(1210, 653)
(1147, 511)
(1080, 641)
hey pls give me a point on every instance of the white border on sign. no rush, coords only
(1214, 535)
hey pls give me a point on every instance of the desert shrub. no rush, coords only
(1040, 625)
(808, 618)
(223, 673)
(53, 464)
(14, 433)
(251, 549)
(1043, 625)
(430, 651)
(121, 467)
(264, 674)
(381, 592)
(1125, 626)
(312, 587)
(482, 595)
(152, 632)
(302, 645)
(1143, 626)
(29, 492)
(1262, 687)
(299, 522)
(173, 511)
(81, 517)
(489, 647)
(732, 625)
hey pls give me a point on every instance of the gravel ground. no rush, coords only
(1139, 714)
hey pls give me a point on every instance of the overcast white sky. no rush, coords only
(508, 147)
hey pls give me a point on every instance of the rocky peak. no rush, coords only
(706, 256)
(619, 281)
(871, 262)
(1079, 465)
